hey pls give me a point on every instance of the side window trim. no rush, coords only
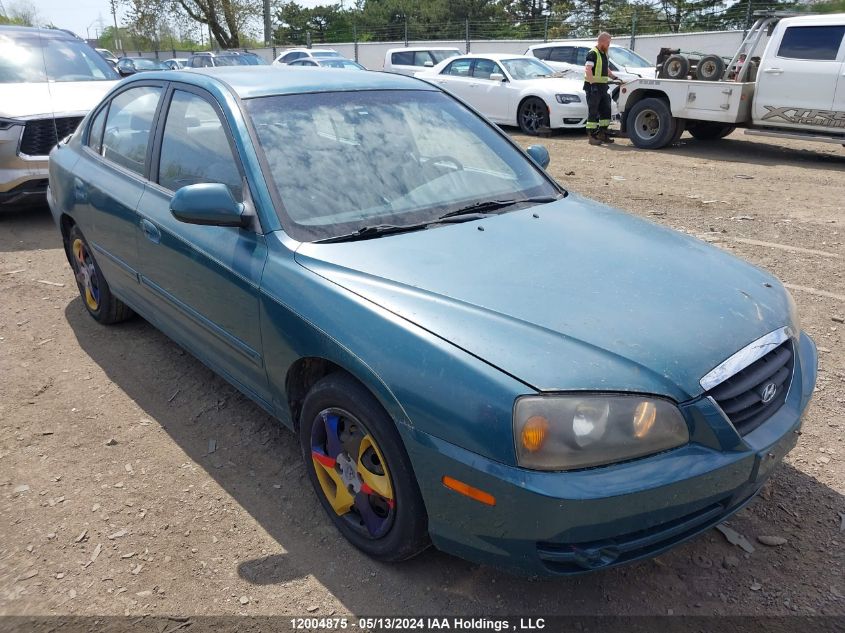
(161, 122)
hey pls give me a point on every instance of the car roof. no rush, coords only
(494, 56)
(261, 81)
(570, 43)
(414, 49)
(830, 19)
(54, 34)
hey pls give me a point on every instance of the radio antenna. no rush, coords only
(49, 89)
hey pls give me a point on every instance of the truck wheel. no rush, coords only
(710, 68)
(650, 124)
(675, 67)
(709, 130)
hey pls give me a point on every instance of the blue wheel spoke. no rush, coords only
(374, 523)
(333, 444)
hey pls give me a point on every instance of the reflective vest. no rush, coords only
(599, 71)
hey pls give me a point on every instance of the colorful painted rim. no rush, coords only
(352, 472)
(86, 274)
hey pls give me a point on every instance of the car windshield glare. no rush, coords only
(626, 57)
(523, 68)
(147, 64)
(32, 58)
(341, 161)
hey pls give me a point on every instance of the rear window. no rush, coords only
(811, 42)
(541, 53)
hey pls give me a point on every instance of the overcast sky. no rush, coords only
(81, 16)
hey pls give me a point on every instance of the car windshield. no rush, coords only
(342, 161)
(325, 54)
(626, 57)
(524, 68)
(341, 63)
(439, 56)
(30, 57)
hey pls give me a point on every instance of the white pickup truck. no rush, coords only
(799, 91)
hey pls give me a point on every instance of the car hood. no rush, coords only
(553, 85)
(59, 97)
(583, 297)
(646, 73)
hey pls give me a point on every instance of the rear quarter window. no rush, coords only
(541, 53)
(820, 43)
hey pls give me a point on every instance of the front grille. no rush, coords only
(741, 396)
(42, 135)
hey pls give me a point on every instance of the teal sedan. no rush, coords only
(470, 356)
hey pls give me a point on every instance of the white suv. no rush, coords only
(568, 55)
(292, 54)
(407, 61)
(49, 80)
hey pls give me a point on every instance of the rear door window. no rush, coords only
(127, 132)
(562, 54)
(405, 58)
(541, 53)
(581, 55)
(458, 68)
(819, 43)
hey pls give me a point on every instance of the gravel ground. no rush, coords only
(134, 481)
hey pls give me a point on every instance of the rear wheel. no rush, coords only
(710, 68)
(93, 289)
(650, 124)
(709, 130)
(533, 116)
(360, 471)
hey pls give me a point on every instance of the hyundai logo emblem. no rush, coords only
(769, 392)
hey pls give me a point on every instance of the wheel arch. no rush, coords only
(635, 97)
(66, 223)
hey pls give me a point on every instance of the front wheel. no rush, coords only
(650, 124)
(360, 470)
(95, 292)
(533, 116)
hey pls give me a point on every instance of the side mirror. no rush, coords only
(428, 63)
(210, 204)
(125, 71)
(497, 77)
(540, 155)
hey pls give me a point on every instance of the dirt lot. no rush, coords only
(112, 501)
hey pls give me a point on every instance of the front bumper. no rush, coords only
(22, 178)
(548, 523)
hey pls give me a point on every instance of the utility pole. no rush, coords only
(117, 43)
(267, 26)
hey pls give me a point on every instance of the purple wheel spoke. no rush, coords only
(374, 523)
(333, 443)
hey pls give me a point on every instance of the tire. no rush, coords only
(675, 67)
(533, 116)
(93, 288)
(680, 128)
(710, 68)
(344, 432)
(709, 131)
(650, 124)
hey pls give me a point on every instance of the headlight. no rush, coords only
(5, 124)
(568, 98)
(794, 317)
(578, 431)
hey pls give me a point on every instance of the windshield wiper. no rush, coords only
(376, 230)
(488, 206)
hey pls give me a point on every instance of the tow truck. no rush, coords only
(798, 91)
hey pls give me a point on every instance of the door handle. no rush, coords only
(151, 231)
(773, 71)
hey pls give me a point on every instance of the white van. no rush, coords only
(572, 55)
(407, 61)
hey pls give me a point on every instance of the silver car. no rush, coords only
(49, 81)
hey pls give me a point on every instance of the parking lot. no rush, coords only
(133, 480)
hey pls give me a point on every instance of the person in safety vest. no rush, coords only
(597, 74)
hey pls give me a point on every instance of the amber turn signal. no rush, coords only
(534, 433)
(468, 491)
